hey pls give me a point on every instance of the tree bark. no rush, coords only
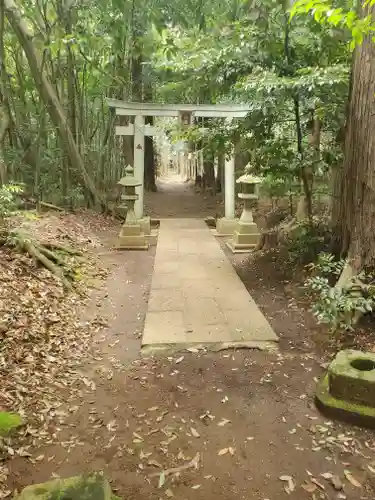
(4, 123)
(149, 175)
(340, 237)
(358, 201)
(48, 95)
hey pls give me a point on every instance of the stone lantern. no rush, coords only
(131, 236)
(246, 234)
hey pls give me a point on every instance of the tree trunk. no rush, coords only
(358, 201)
(48, 95)
(304, 206)
(4, 123)
(149, 175)
(340, 235)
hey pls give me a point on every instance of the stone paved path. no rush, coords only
(196, 296)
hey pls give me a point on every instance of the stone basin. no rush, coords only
(347, 391)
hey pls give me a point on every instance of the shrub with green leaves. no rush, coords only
(8, 195)
(307, 240)
(339, 306)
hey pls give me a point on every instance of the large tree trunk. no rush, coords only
(339, 240)
(48, 95)
(357, 211)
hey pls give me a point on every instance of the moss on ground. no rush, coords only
(9, 422)
(84, 487)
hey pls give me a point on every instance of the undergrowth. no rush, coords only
(339, 306)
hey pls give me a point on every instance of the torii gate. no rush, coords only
(185, 112)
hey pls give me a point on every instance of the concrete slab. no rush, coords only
(196, 296)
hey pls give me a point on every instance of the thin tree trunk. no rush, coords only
(48, 95)
(4, 124)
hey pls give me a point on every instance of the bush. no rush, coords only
(335, 306)
(8, 196)
(307, 240)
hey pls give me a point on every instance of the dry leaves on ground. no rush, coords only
(42, 343)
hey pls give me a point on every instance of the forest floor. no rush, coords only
(196, 425)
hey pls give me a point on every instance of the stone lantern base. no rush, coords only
(245, 238)
(151, 234)
(225, 226)
(145, 223)
(132, 237)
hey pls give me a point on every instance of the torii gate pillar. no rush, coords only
(227, 224)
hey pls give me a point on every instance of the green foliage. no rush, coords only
(338, 306)
(260, 58)
(275, 187)
(307, 240)
(344, 16)
(9, 422)
(8, 194)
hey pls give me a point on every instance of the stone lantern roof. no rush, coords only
(249, 179)
(129, 180)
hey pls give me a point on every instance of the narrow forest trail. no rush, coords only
(194, 424)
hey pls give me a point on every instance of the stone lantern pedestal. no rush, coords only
(132, 236)
(246, 234)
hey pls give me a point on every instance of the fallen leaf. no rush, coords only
(223, 451)
(290, 486)
(138, 437)
(161, 480)
(319, 485)
(196, 487)
(178, 360)
(154, 463)
(336, 483)
(223, 422)
(174, 470)
(309, 487)
(352, 480)
(327, 475)
(111, 426)
(194, 432)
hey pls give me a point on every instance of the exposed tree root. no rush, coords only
(49, 255)
(39, 256)
(275, 236)
(60, 248)
(51, 206)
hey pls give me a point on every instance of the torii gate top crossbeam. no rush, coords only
(173, 110)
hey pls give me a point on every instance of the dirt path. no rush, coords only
(234, 422)
(175, 198)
